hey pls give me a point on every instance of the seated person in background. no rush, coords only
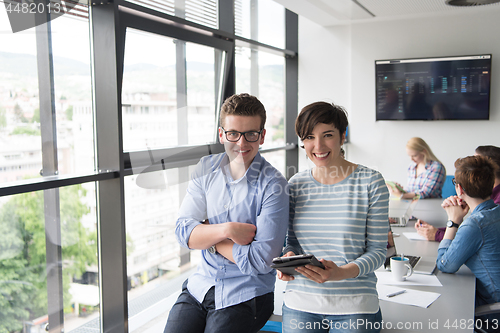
(236, 211)
(433, 233)
(426, 174)
(474, 241)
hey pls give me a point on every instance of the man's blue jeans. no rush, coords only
(299, 321)
(190, 316)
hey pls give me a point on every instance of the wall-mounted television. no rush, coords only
(439, 88)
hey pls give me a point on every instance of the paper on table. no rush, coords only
(411, 297)
(414, 280)
(414, 236)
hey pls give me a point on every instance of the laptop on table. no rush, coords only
(420, 265)
(401, 221)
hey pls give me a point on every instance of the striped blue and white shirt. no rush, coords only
(346, 223)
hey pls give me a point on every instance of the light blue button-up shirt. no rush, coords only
(476, 246)
(260, 197)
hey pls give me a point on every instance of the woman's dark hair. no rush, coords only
(493, 153)
(320, 112)
(476, 175)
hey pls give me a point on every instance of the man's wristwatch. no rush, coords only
(451, 224)
(212, 249)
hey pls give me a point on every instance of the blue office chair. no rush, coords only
(448, 187)
(271, 326)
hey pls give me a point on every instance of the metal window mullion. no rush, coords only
(51, 182)
(221, 71)
(182, 104)
(180, 8)
(55, 299)
(254, 53)
(226, 25)
(183, 178)
(254, 72)
(107, 41)
(224, 63)
(182, 115)
(291, 92)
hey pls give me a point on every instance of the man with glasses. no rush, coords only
(236, 211)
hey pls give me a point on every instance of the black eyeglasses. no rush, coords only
(250, 136)
(454, 181)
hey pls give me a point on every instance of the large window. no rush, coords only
(104, 112)
(262, 74)
(48, 261)
(21, 144)
(32, 237)
(149, 95)
(261, 20)
(73, 94)
(159, 109)
(154, 258)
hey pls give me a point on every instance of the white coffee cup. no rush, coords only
(401, 268)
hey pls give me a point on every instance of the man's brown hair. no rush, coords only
(493, 153)
(243, 105)
(476, 175)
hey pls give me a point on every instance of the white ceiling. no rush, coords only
(339, 12)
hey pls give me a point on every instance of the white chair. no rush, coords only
(485, 310)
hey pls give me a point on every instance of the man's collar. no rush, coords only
(252, 173)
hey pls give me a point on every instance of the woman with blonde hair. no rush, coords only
(426, 174)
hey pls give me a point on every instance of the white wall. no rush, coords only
(336, 64)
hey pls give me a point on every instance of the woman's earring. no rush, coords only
(342, 152)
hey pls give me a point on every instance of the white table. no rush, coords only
(454, 306)
(456, 303)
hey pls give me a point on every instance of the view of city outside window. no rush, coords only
(23, 266)
(154, 269)
(261, 20)
(21, 155)
(73, 93)
(201, 93)
(169, 97)
(262, 74)
(161, 111)
(21, 143)
(153, 117)
(149, 94)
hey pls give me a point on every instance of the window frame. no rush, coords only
(108, 22)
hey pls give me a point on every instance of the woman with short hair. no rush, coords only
(339, 213)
